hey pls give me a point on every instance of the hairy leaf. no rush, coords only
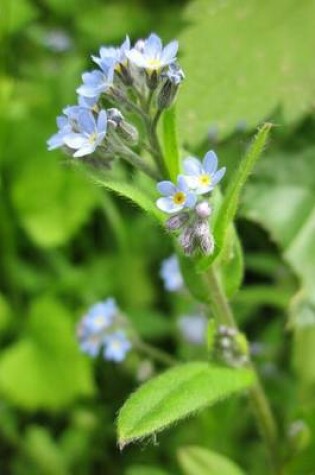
(171, 150)
(176, 394)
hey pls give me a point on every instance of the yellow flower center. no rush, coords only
(179, 198)
(154, 63)
(204, 180)
(93, 137)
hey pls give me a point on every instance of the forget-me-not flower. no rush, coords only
(113, 56)
(97, 82)
(171, 274)
(57, 140)
(152, 56)
(89, 103)
(116, 346)
(89, 135)
(176, 197)
(202, 177)
(193, 328)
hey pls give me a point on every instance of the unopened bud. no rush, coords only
(167, 94)
(207, 245)
(202, 228)
(114, 116)
(152, 78)
(187, 240)
(124, 74)
(203, 209)
(176, 221)
(128, 132)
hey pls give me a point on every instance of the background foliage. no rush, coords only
(66, 243)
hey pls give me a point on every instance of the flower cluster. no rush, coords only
(102, 329)
(230, 346)
(141, 80)
(183, 200)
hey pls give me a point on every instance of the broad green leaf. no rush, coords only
(45, 368)
(201, 461)
(194, 281)
(133, 194)
(52, 202)
(171, 150)
(232, 264)
(176, 394)
(243, 59)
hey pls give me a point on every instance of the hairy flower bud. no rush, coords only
(187, 240)
(207, 245)
(203, 209)
(173, 79)
(114, 116)
(128, 132)
(152, 79)
(176, 221)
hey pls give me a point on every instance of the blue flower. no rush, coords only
(89, 133)
(193, 328)
(175, 74)
(171, 274)
(97, 82)
(116, 347)
(202, 177)
(94, 325)
(113, 56)
(57, 140)
(175, 197)
(152, 56)
(89, 103)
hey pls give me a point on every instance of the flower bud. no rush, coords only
(207, 245)
(152, 79)
(173, 77)
(128, 132)
(187, 240)
(176, 221)
(124, 74)
(114, 116)
(203, 209)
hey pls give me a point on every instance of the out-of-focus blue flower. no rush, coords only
(57, 40)
(89, 134)
(97, 82)
(176, 197)
(193, 328)
(116, 346)
(152, 56)
(202, 177)
(112, 56)
(94, 325)
(171, 274)
(57, 140)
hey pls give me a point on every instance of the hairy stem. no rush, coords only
(156, 354)
(267, 425)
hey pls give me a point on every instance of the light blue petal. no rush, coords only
(169, 52)
(192, 166)
(101, 124)
(86, 121)
(166, 188)
(201, 190)
(210, 162)
(85, 150)
(167, 205)
(218, 176)
(153, 45)
(136, 58)
(191, 200)
(55, 141)
(182, 183)
(75, 140)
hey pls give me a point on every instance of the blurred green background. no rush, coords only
(65, 243)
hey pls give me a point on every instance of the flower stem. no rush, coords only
(267, 425)
(156, 354)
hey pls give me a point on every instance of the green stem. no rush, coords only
(266, 422)
(156, 354)
(131, 157)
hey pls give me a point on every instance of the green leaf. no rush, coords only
(171, 149)
(201, 461)
(228, 209)
(176, 394)
(243, 59)
(15, 14)
(133, 194)
(193, 279)
(145, 470)
(232, 264)
(45, 369)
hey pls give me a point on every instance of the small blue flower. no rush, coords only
(116, 347)
(175, 74)
(89, 103)
(89, 134)
(176, 197)
(94, 325)
(97, 82)
(171, 274)
(202, 177)
(193, 328)
(152, 56)
(113, 56)
(57, 140)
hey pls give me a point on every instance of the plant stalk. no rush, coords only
(267, 425)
